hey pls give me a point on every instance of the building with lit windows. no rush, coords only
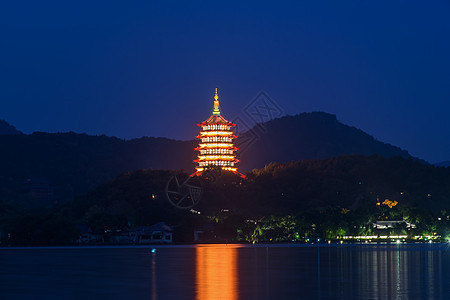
(216, 149)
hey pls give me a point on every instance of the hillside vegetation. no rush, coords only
(341, 191)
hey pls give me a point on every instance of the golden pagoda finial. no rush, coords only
(216, 110)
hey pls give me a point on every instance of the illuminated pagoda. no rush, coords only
(216, 148)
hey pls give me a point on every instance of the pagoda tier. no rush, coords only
(216, 148)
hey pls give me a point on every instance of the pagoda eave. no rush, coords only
(216, 147)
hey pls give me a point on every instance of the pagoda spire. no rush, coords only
(216, 110)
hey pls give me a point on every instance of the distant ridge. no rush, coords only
(75, 163)
(313, 135)
(442, 164)
(6, 128)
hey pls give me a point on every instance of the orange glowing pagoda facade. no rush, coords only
(216, 148)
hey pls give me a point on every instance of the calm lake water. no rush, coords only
(228, 272)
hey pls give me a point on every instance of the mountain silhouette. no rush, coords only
(442, 164)
(72, 163)
(313, 135)
(6, 128)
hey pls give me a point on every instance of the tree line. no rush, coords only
(296, 201)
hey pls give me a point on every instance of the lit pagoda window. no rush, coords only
(216, 149)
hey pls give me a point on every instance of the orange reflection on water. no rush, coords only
(216, 272)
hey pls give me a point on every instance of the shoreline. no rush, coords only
(233, 245)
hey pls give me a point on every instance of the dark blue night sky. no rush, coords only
(131, 69)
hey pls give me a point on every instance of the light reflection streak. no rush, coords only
(216, 272)
(154, 294)
(389, 273)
